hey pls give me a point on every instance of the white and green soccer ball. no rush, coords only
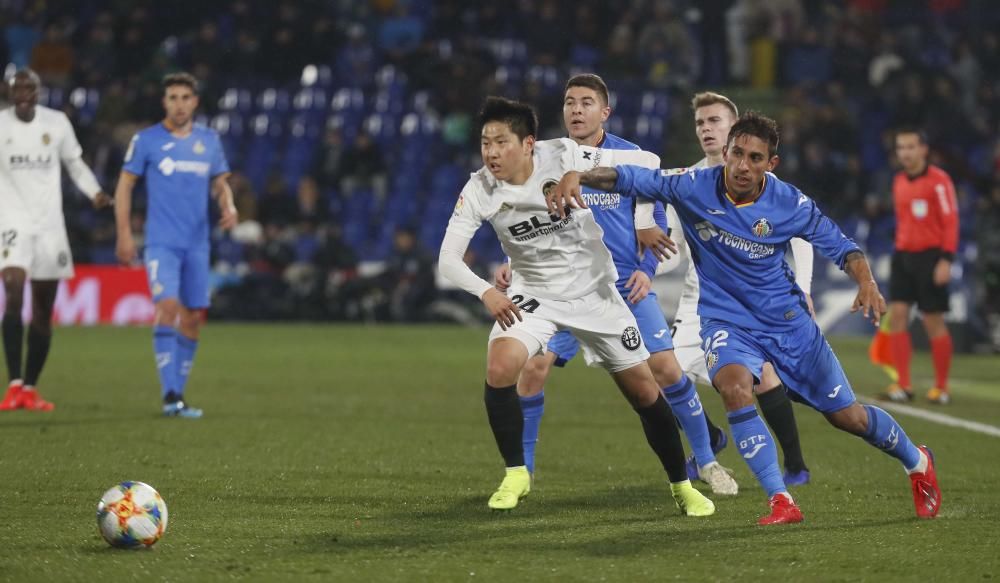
(132, 515)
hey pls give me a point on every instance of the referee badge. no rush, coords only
(762, 228)
(631, 338)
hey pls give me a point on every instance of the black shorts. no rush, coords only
(912, 280)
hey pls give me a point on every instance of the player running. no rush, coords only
(585, 109)
(564, 278)
(739, 219)
(35, 142)
(714, 115)
(182, 162)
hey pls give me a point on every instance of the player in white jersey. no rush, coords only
(35, 142)
(714, 115)
(564, 278)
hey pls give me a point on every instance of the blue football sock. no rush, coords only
(532, 407)
(756, 445)
(184, 357)
(885, 434)
(164, 348)
(684, 402)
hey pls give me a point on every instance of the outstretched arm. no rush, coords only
(566, 194)
(869, 299)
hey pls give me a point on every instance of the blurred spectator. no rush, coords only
(363, 167)
(21, 37)
(277, 206)
(327, 166)
(408, 281)
(52, 58)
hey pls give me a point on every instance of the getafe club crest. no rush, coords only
(631, 338)
(762, 228)
(199, 148)
(711, 359)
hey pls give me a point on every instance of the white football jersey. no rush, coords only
(31, 157)
(550, 257)
(687, 305)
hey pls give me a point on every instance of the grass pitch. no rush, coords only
(354, 453)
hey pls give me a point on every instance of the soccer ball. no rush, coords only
(132, 515)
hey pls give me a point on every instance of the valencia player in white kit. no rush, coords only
(563, 278)
(35, 142)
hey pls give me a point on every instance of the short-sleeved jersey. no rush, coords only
(739, 249)
(550, 256)
(616, 216)
(178, 174)
(31, 156)
(926, 211)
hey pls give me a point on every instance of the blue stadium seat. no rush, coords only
(260, 155)
(236, 100)
(85, 101)
(274, 101)
(654, 103)
(649, 132)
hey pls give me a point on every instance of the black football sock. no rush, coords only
(714, 433)
(503, 407)
(661, 433)
(777, 410)
(13, 344)
(38, 352)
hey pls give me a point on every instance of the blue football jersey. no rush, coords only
(617, 218)
(178, 174)
(739, 249)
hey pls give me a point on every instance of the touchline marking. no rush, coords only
(939, 418)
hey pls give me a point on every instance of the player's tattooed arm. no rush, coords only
(567, 193)
(600, 178)
(869, 300)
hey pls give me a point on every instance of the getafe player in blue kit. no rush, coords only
(181, 161)
(585, 109)
(738, 219)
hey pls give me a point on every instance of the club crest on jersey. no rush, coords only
(711, 359)
(46, 139)
(198, 148)
(548, 186)
(762, 228)
(631, 339)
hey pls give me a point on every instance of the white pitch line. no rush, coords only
(939, 418)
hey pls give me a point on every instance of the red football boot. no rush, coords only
(32, 401)
(12, 400)
(783, 511)
(926, 494)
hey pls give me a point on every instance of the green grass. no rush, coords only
(351, 453)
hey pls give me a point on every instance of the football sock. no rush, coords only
(777, 410)
(902, 351)
(686, 406)
(714, 433)
(503, 408)
(885, 434)
(532, 408)
(757, 448)
(38, 351)
(164, 347)
(661, 433)
(941, 350)
(184, 357)
(13, 340)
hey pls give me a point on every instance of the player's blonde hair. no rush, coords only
(706, 98)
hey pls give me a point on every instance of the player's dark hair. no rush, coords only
(906, 130)
(590, 81)
(757, 125)
(706, 98)
(186, 79)
(521, 117)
